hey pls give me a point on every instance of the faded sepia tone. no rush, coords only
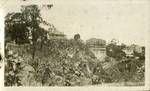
(75, 43)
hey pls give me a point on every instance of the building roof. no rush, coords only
(51, 30)
(56, 32)
(94, 42)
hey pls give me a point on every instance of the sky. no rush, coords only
(125, 20)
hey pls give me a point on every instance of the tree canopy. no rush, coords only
(115, 51)
(24, 27)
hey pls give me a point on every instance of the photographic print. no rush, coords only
(69, 43)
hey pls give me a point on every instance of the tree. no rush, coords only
(76, 36)
(15, 28)
(31, 15)
(33, 19)
(24, 27)
(114, 41)
(115, 51)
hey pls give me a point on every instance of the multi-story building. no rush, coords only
(56, 35)
(52, 32)
(98, 47)
(129, 51)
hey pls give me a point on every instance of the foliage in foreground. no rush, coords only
(67, 63)
(58, 63)
(126, 70)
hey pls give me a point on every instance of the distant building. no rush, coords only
(129, 51)
(137, 48)
(53, 33)
(98, 47)
(56, 35)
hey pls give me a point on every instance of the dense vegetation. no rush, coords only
(31, 59)
(68, 61)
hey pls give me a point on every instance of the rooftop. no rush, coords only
(94, 42)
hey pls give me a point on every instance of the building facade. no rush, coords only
(98, 47)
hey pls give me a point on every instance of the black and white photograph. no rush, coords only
(70, 43)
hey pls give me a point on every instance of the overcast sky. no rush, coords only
(124, 20)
